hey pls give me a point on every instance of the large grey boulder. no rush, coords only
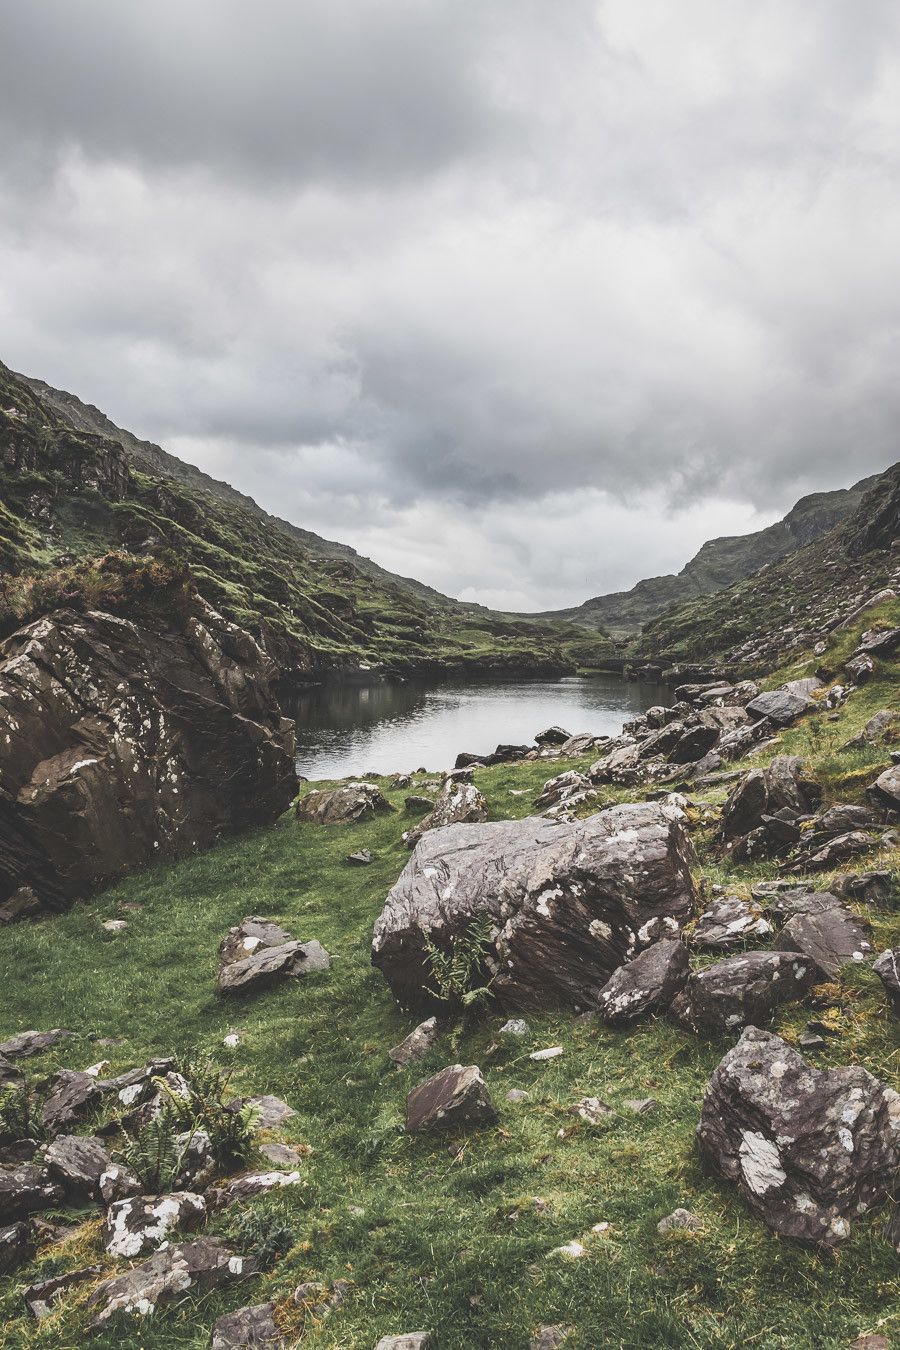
(566, 904)
(645, 985)
(740, 990)
(885, 791)
(143, 1223)
(343, 805)
(454, 1099)
(198, 1266)
(24, 1189)
(780, 706)
(459, 803)
(809, 1150)
(829, 936)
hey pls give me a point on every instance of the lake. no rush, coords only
(348, 730)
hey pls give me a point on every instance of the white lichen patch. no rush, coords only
(760, 1162)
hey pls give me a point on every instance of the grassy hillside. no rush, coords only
(70, 493)
(718, 564)
(459, 1241)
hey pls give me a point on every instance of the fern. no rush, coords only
(454, 972)
(156, 1154)
(203, 1107)
(20, 1114)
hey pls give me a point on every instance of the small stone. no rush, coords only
(231, 1041)
(810, 1041)
(516, 1095)
(680, 1218)
(570, 1251)
(72, 1096)
(361, 858)
(416, 1045)
(641, 1106)
(516, 1026)
(282, 1155)
(245, 1187)
(412, 1340)
(552, 1052)
(870, 1341)
(549, 1338)
(95, 1070)
(592, 1110)
(17, 1245)
(28, 1043)
(24, 1189)
(457, 1097)
(252, 1326)
(114, 925)
(272, 1111)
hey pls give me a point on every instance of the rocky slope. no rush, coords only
(718, 564)
(73, 487)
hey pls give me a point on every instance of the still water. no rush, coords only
(345, 730)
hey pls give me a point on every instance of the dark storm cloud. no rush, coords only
(525, 299)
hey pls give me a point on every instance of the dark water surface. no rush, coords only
(345, 730)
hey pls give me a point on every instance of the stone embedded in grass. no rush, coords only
(412, 1340)
(416, 1045)
(887, 968)
(245, 1187)
(885, 791)
(17, 1245)
(809, 1149)
(73, 1095)
(114, 925)
(142, 1224)
(251, 1326)
(291, 960)
(641, 1106)
(644, 985)
(570, 1251)
(567, 903)
(456, 1098)
(592, 1110)
(282, 1155)
(551, 1052)
(459, 803)
(40, 1299)
(248, 937)
(360, 859)
(781, 706)
(741, 990)
(517, 1096)
(343, 805)
(729, 922)
(25, 1189)
(198, 1266)
(549, 1338)
(28, 1043)
(516, 1027)
(272, 1110)
(78, 1162)
(680, 1220)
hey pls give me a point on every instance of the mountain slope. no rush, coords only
(71, 493)
(719, 563)
(795, 601)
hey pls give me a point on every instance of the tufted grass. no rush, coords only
(459, 1241)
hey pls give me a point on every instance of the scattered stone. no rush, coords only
(870, 1342)
(645, 985)
(570, 1251)
(592, 1110)
(729, 922)
(569, 902)
(887, 968)
(874, 729)
(809, 1149)
(766, 792)
(272, 1111)
(245, 1187)
(25, 1189)
(343, 805)
(282, 1155)
(95, 1070)
(17, 1245)
(550, 1338)
(412, 1340)
(562, 787)
(253, 1326)
(72, 1096)
(836, 851)
(551, 1052)
(10, 1076)
(641, 1106)
(416, 1045)
(517, 1027)
(811, 1040)
(78, 1162)
(247, 937)
(142, 1224)
(885, 791)
(455, 1098)
(829, 938)
(360, 859)
(680, 1220)
(40, 1298)
(459, 803)
(740, 990)
(231, 1041)
(114, 925)
(780, 706)
(517, 1096)
(203, 1264)
(552, 736)
(28, 1043)
(291, 960)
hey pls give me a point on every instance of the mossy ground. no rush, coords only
(456, 1242)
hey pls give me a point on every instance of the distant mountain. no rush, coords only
(718, 564)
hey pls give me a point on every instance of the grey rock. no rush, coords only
(741, 990)
(28, 1043)
(200, 1265)
(592, 1110)
(568, 902)
(343, 805)
(250, 936)
(552, 736)
(360, 859)
(252, 1326)
(783, 784)
(550, 1338)
(835, 851)
(874, 730)
(809, 1150)
(25, 1189)
(272, 1111)
(645, 985)
(282, 1155)
(579, 744)
(141, 1224)
(40, 1299)
(829, 938)
(860, 668)
(680, 1219)
(249, 1185)
(415, 803)
(885, 791)
(17, 1245)
(73, 1095)
(562, 787)
(517, 1096)
(268, 965)
(866, 888)
(887, 968)
(729, 922)
(459, 803)
(416, 1045)
(882, 640)
(10, 1076)
(641, 1106)
(78, 1162)
(780, 706)
(515, 1027)
(456, 1098)
(413, 1340)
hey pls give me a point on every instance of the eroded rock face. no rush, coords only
(128, 742)
(454, 1099)
(809, 1150)
(459, 803)
(205, 1263)
(645, 985)
(567, 903)
(343, 805)
(142, 1224)
(741, 990)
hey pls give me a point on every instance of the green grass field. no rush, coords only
(458, 1241)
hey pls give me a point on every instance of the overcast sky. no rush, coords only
(526, 298)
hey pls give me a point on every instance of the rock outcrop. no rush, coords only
(809, 1150)
(567, 903)
(126, 742)
(740, 990)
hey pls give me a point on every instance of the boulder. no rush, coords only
(809, 1149)
(740, 990)
(361, 858)
(562, 787)
(454, 1099)
(343, 805)
(887, 968)
(249, 1185)
(268, 965)
(860, 668)
(729, 922)
(876, 728)
(766, 791)
(28, 1043)
(142, 1223)
(17, 1245)
(459, 803)
(464, 760)
(552, 736)
(829, 937)
(248, 936)
(885, 791)
(882, 640)
(73, 1095)
(416, 1045)
(866, 888)
(130, 742)
(567, 903)
(779, 706)
(203, 1264)
(25, 1189)
(645, 985)
(40, 1299)
(78, 1163)
(579, 744)
(254, 1326)
(272, 1111)
(823, 857)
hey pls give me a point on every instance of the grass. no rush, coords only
(457, 1241)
